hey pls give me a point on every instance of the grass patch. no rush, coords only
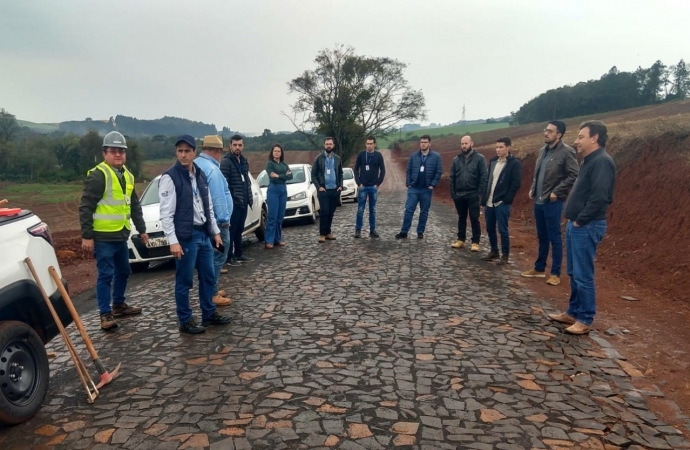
(41, 194)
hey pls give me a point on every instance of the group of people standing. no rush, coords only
(204, 203)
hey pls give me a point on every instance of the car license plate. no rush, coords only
(157, 242)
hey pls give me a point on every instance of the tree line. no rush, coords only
(615, 90)
(131, 126)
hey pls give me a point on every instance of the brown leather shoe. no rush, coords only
(490, 257)
(222, 293)
(281, 244)
(107, 322)
(533, 274)
(563, 318)
(322, 238)
(268, 246)
(578, 328)
(553, 280)
(330, 237)
(221, 301)
(124, 310)
(223, 271)
(504, 260)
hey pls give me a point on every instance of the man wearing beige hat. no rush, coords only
(209, 162)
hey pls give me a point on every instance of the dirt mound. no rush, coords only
(68, 248)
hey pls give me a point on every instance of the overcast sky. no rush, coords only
(228, 62)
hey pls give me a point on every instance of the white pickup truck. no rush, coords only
(25, 321)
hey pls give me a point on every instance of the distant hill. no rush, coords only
(39, 127)
(131, 126)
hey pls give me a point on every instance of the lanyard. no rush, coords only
(423, 158)
(366, 157)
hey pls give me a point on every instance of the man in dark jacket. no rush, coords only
(424, 169)
(327, 176)
(554, 175)
(189, 224)
(586, 213)
(468, 179)
(235, 168)
(505, 176)
(108, 201)
(370, 171)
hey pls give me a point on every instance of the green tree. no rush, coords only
(8, 126)
(348, 97)
(681, 80)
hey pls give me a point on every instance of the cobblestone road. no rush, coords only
(352, 344)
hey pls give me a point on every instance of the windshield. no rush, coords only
(150, 195)
(348, 174)
(262, 179)
(298, 176)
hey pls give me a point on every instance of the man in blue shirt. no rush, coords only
(209, 162)
(327, 176)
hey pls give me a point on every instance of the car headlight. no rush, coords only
(300, 196)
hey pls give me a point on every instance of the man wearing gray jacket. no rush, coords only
(554, 174)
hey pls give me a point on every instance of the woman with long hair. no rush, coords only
(278, 172)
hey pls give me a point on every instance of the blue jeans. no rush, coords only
(498, 215)
(198, 253)
(423, 198)
(581, 249)
(220, 258)
(372, 193)
(112, 262)
(548, 220)
(276, 200)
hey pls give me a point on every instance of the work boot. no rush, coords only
(420, 235)
(491, 256)
(458, 244)
(533, 274)
(222, 293)
(563, 318)
(358, 234)
(108, 322)
(124, 310)
(330, 237)
(373, 234)
(192, 327)
(553, 280)
(216, 319)
(475, 247)
(401, 235)
(503, 261)
(322, 239)
(218, 300)
(578, 328)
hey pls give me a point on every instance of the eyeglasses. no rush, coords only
(546, 130)
(119, 151)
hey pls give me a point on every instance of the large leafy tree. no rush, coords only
(348, 97)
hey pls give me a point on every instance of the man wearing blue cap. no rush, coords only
(186, 211)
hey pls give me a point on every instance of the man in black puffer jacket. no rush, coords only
(505, 176)
(235, 168)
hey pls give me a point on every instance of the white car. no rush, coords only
(302, 201)
(158, 248)
(350, 189)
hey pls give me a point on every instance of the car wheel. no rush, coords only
(312, 218)
(139, 266)
(24, 372)
(260, 232)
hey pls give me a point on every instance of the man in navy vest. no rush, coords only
(188, 221)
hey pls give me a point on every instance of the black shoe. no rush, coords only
(490, 257)
(216, 319)
(358, 234)
(401, 236)
(192, 327)
(233, 262)
(373, 234)
(420, 235)
(244, 259)
(503, 261)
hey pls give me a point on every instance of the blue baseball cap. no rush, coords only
(187, 139)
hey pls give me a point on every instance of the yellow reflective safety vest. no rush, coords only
(113, 210)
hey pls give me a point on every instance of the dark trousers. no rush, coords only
(237, 219)
(463, 206)
(328, 201)
(498, 215)
(548, 220)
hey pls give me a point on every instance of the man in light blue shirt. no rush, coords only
(209, 162)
